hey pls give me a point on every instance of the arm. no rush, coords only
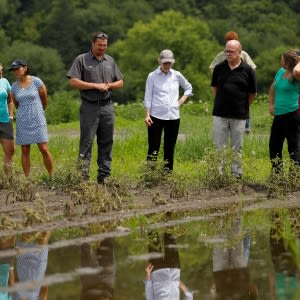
(83, 85)
(10, 104)
(214, 90)
(251, 98)
(11, 280)
(182, 99)
(115, 85)
(271, 99)
(43, 95)
(148, 120)
(148, 282)
(188, 295)
(296, 71)
(272, 286)
(188, 89)
(16, 103)
(43, 293)
(148, 101)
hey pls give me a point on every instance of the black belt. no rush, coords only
(103, 102)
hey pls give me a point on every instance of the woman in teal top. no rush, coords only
(283, 105)
(6, 117)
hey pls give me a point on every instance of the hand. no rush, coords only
(180, 101)
(148, 121)
(271, 109)
(102, 87)
(149, 269)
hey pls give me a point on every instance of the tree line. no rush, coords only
(49, 34)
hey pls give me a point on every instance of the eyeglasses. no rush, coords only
(101, 36)
(230, 51)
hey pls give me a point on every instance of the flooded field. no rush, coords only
(229, 254)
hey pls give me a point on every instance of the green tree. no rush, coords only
(59, 31)
(189, 39)
(63, 107)
(43, 62)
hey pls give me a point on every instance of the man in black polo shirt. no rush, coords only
(234, 88)
(96, 74)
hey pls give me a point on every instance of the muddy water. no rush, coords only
(230, 254)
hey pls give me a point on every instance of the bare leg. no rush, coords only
(25, 159)
(9, 150)
(47, 157)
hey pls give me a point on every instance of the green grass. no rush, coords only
(130, 146)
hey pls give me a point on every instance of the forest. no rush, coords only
(49, 34)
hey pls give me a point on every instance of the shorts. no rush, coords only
(6, 131)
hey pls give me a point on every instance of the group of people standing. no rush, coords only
(28, 94)
(96, 74)
(234, 88)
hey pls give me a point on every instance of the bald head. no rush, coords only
(234, 44)
(233, 53)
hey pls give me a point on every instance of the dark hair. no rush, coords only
(99, 35)
(291, 59)
(27, 71)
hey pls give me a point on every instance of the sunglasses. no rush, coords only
(101, 36)
(230, 51)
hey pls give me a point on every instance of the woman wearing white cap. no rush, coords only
(162, 104)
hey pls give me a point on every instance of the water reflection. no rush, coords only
(220, 256)
(101, 257)
(231, 273)
(163, 269)
(31, 265)
(7, 277)
(285, 251)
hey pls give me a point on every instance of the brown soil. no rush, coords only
(67, 211)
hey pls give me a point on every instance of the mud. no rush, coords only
(59, 210)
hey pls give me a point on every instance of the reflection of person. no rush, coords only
(6, 117)
(283, 105)
(231, 273)
(221, 56)
(31, 264)
(162, 104)
(96, 74)
(295, 72)
(284, 281)
(100, 285)
(7, 277)
(234, 88)
(163, 270)
(30, 98)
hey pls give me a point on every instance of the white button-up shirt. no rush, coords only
(164, 285)
(162, 93)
